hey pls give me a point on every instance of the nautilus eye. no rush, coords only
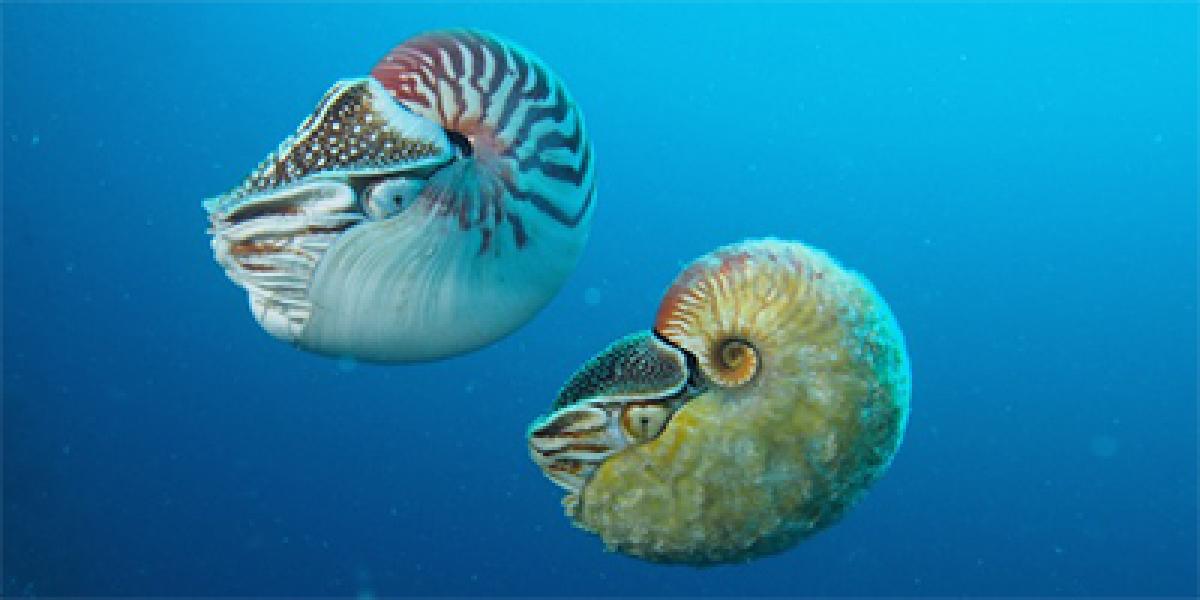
(422, 212)
(796, 400)
(388, 197)
(643, 422)
(621, 397)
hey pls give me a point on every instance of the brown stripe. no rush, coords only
(472, 44)
(555, 113)
(544, 204)
(594, 448)
(513, 99)
(561, 432)
(452, 73)
(551, 140)
(499, 67)
(519, 235)
(560, 172)
(251, 211)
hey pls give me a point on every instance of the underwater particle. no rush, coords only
(421, 212)
(772, 392)
(35, 140)
(1104, 446)
(591, 296)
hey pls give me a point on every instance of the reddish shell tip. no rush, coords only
(722, 261)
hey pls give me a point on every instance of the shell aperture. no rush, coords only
(797, 400)
(622, 396)
(419, 213)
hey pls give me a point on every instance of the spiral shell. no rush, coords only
(799, 402)
(422, 212)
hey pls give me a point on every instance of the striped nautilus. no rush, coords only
(421, 212)
(772, 391)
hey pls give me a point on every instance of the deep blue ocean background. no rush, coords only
(1019, 181)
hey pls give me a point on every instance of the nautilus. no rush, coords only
(424, 211)
(771, 393)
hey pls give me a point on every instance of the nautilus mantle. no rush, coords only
(421, 212)
(772, 391)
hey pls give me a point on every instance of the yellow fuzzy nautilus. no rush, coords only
(773, 390)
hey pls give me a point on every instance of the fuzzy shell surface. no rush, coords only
(752, 469)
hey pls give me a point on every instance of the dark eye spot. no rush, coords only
(461, 142)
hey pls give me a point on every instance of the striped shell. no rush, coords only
(799, 398)
(533, 160)
(422, 212)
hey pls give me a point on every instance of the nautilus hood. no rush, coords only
(423, 211)
(773, 390)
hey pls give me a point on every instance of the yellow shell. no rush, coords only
(805, 397)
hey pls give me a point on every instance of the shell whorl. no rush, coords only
(803, 401)
(528, 153)
(740, 307)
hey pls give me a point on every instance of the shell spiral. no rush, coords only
(422, 212)
(805, 396)
(530, 158)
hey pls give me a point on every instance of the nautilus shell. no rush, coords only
(773, 390)
(421, 212)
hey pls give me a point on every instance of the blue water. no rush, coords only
(1019, 182)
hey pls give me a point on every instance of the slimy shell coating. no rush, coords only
(798, 402)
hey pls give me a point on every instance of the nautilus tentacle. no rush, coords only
(422, 212)
(622, 396)
(797, 398)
